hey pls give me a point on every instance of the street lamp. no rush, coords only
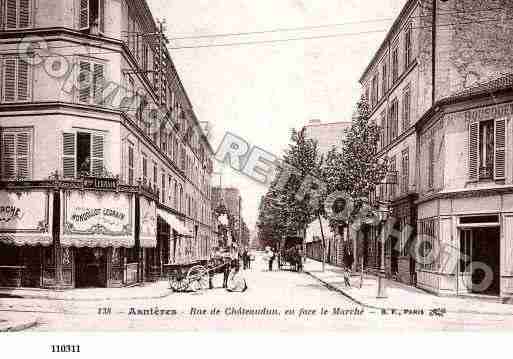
(383, 213)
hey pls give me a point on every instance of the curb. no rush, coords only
(359, 302)
(19, 326)
(53, 297)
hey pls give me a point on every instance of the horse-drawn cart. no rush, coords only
(194, 276)
(289, 253)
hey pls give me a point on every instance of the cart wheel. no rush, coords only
(197, 278)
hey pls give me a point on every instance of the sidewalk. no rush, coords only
(400, 296)
(10, 322)
(155, 290)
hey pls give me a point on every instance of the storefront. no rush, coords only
(26, 236)
(97, 239)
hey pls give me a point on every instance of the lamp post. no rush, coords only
(383, 214)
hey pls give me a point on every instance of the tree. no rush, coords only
(355, 169)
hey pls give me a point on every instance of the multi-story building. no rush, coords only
(231, 198)
(105, 170)
(445, 137)
(327, 136)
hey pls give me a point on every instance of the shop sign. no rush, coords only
(24, 212)
(98, 213)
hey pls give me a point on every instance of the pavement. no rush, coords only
(16, 322)
(154, 290)
(400, 296)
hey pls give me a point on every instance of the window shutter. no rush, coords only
(68, 155)
(24, 14)
(11, 18)
(22, 154)
(8, 155)
(84, 82)
(23, 80)
(84, 15)
(98, 83)
(130, 165)
(473, 151)
(500, 149)
(10, 79)
(101, 13)
(97, 154)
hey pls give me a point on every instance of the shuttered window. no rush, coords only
(431, 163)
(83, 153)
(84, 15)
(145, 169)
(91, 82)
(500, 149)
(131, 164)
(92, 15)
(16, 154)
(405, 171)
(473, 151)
(406, 108)
(18, 14)
(16, 80)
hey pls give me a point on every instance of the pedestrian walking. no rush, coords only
(272, 256)
(347, 277)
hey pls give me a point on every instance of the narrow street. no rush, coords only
(277, 291)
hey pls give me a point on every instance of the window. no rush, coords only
(393, 169)
(91, 82)
(82, 154)
(176, 196)
(163, 187)
(428, 240)
(487, 141)
(131, 163)
(92, 16)
(395, 65)
(181, 199)
(393, 120)
(384, 78)
(145, 169)
(155, 176)
(170, 196)
(431, 163)
(375, 90)
(16, 153)
(406, 108)
(383, 132)
(16, 76)
(407, 47)
(18, 14)
(405, 171)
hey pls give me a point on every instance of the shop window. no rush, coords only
(83, 154)
(18, 14)
(92, 16)
(16, 153)
(16, 80)
(487, 141)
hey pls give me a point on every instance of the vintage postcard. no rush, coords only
(272, 165)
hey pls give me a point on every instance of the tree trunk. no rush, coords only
(323, 244)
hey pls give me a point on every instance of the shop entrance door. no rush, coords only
(91, 268)
(480, 261)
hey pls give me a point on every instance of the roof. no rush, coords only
(504, 82)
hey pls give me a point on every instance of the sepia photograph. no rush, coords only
(238, 166)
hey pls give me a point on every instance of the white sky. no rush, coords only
(260, 92)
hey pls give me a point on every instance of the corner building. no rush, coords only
(93, 193)
(438, 86)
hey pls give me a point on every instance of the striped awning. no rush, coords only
(26, 239)
(97, 241)
(174, 222)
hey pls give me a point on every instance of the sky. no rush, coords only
(261, 91)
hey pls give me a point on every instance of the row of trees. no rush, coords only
(304, 189)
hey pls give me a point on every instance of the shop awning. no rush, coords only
(97, 241)
(148, 242)
(25, 239)
(173, 222)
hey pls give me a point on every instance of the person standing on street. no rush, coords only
(272, 256)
